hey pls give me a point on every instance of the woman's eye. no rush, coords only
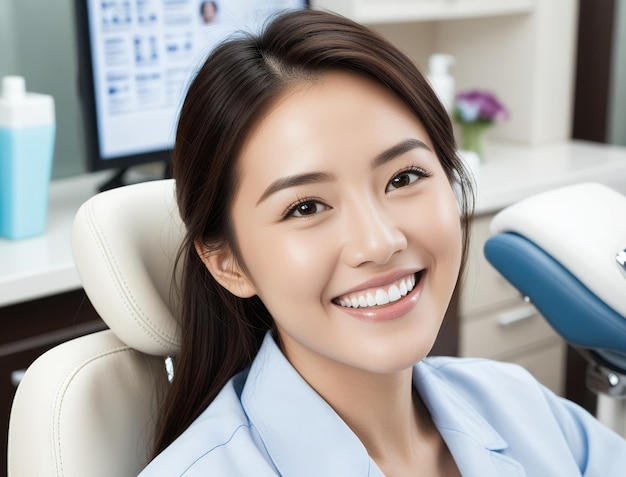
(305, 208)
(405, 178)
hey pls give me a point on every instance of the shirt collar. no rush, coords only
(477, 448)
(276, 399)
(320, 443)
(457, 414)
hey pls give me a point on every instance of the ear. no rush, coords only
(224, 267)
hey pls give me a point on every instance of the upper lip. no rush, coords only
(381, 281)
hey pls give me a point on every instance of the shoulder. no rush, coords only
(221, 441)
(492, 388)
(504, 393)
(530, 417)
(444, 365)
(479, 373)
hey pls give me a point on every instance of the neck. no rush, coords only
(381, 409)
(384, 412)
(380, 412)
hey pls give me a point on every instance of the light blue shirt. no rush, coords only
(495, 418)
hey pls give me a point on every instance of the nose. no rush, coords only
(372, 236)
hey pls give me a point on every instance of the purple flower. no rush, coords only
(479, 106)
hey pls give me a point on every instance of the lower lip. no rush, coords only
(390, 311)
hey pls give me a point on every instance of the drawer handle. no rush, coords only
(511, 317)
(17, 376)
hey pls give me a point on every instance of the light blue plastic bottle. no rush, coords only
(27, 131)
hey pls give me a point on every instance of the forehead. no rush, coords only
(316, 124)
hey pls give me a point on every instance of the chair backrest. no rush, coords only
(87, 407)
(562, 249)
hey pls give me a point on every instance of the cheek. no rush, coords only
(285, 264)
(451, 235)
(449, 254)
(440, 231)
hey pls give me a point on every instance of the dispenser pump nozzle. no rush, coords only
(440, 79)
(439, 63)
(13, 88)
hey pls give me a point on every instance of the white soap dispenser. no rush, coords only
(441, 80)
(27, 131)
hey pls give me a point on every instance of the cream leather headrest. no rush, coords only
(583, 227)
(124, 243)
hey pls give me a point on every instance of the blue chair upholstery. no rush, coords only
(565, 250)
(574, 311)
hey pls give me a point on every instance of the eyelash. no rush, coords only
(410, 170)
(291, 210)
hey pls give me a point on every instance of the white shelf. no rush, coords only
(396, 11)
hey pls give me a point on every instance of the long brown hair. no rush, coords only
(222, 333)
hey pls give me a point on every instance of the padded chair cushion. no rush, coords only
(574, 312)
(583, 227)
(84, 408)
(125, 261)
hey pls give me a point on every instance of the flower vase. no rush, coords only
(473, 138)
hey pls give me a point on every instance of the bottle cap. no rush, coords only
(13, 88)
(20, 108)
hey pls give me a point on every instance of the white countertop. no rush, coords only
(42, 266)
(513, 172)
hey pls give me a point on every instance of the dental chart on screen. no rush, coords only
(143, 56)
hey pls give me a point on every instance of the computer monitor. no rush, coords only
(136, 60)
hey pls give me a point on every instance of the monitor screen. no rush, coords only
(137, 58)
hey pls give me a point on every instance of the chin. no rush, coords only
(396, 357)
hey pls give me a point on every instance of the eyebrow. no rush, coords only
(317, 177)
(397, 150)
(294, 181)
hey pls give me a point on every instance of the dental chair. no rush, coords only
(565, 251)
(87, 407)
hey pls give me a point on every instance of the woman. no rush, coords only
(208, 12)
(316, 173)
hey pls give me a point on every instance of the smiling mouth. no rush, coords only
(380, 295)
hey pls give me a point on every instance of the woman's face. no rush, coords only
(347, 226)
(209, 12)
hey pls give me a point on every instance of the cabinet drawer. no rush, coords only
(503, 332)
(547, 365)
(483, 287)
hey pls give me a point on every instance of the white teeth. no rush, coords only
(403, 288)
(394, 293)
(380, 296)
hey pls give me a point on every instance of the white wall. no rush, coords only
(7, 38)
(37, 41)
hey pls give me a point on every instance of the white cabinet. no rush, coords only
(521, 50)
(496, 322)
(382, 11)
